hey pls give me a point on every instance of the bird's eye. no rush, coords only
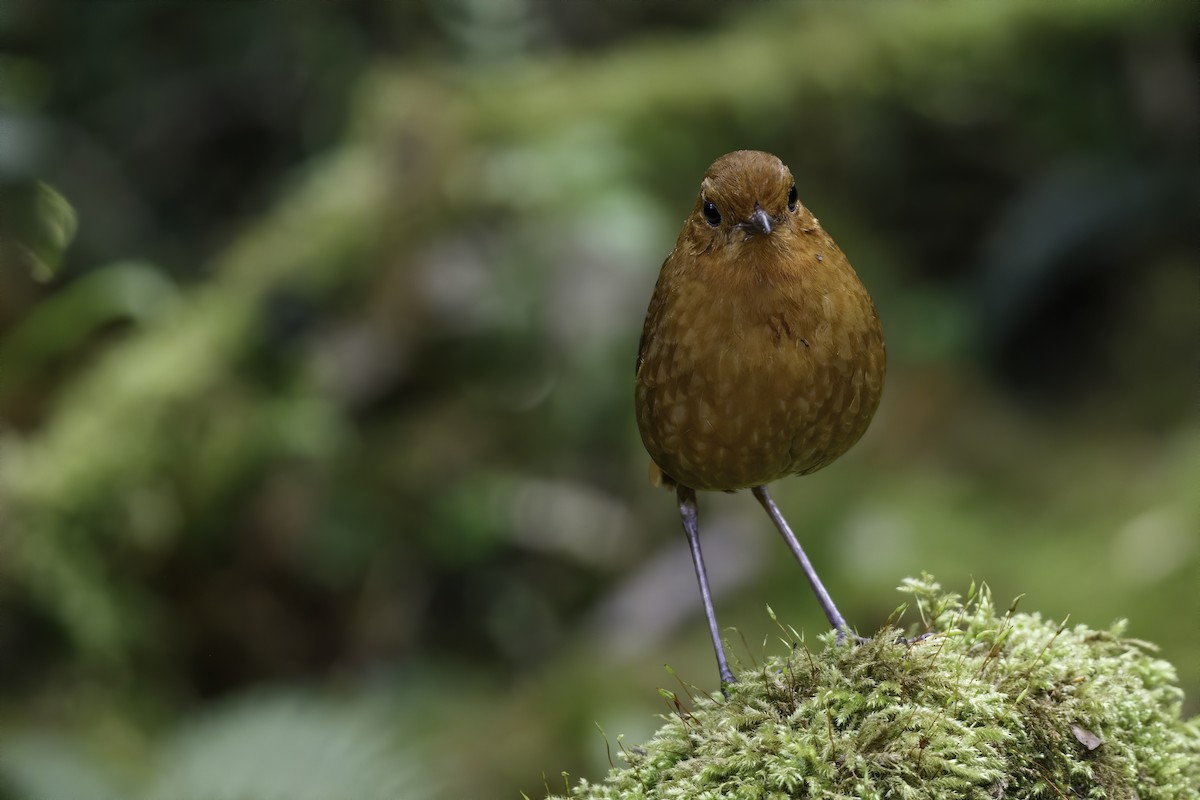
(711, 214)
(792, 198)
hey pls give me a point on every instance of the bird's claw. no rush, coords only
(843, 634)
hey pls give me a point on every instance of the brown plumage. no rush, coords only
(762, 355)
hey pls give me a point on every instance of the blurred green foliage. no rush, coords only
(331, 387)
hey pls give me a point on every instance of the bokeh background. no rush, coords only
(318, 469)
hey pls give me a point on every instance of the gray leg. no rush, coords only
(687, 512)
(831, 611)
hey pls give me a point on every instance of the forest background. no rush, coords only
(318, 469)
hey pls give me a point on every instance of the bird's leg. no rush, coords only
(687, 512)
(831, 611)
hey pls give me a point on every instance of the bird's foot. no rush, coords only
(726, 679)
(845, 633)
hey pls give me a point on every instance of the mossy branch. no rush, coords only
(988, 704)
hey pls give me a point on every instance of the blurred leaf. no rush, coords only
(277, 746)
(36, 766)
(285, 746)
(36, 226)
(58, 326)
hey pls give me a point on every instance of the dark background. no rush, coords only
(318, 469)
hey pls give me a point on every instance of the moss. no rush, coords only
(988, 704)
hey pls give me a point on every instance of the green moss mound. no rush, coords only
(988, 705)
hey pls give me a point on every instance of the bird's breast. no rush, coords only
(739, 387)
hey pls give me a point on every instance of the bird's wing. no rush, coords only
(652, 314)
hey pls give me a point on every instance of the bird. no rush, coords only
(762, 355)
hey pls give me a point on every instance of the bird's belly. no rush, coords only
(729, 421)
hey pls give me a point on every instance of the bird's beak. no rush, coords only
(758, 222)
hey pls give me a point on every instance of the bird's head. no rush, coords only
(746, 196)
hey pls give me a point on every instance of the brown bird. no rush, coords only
(762, 355)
